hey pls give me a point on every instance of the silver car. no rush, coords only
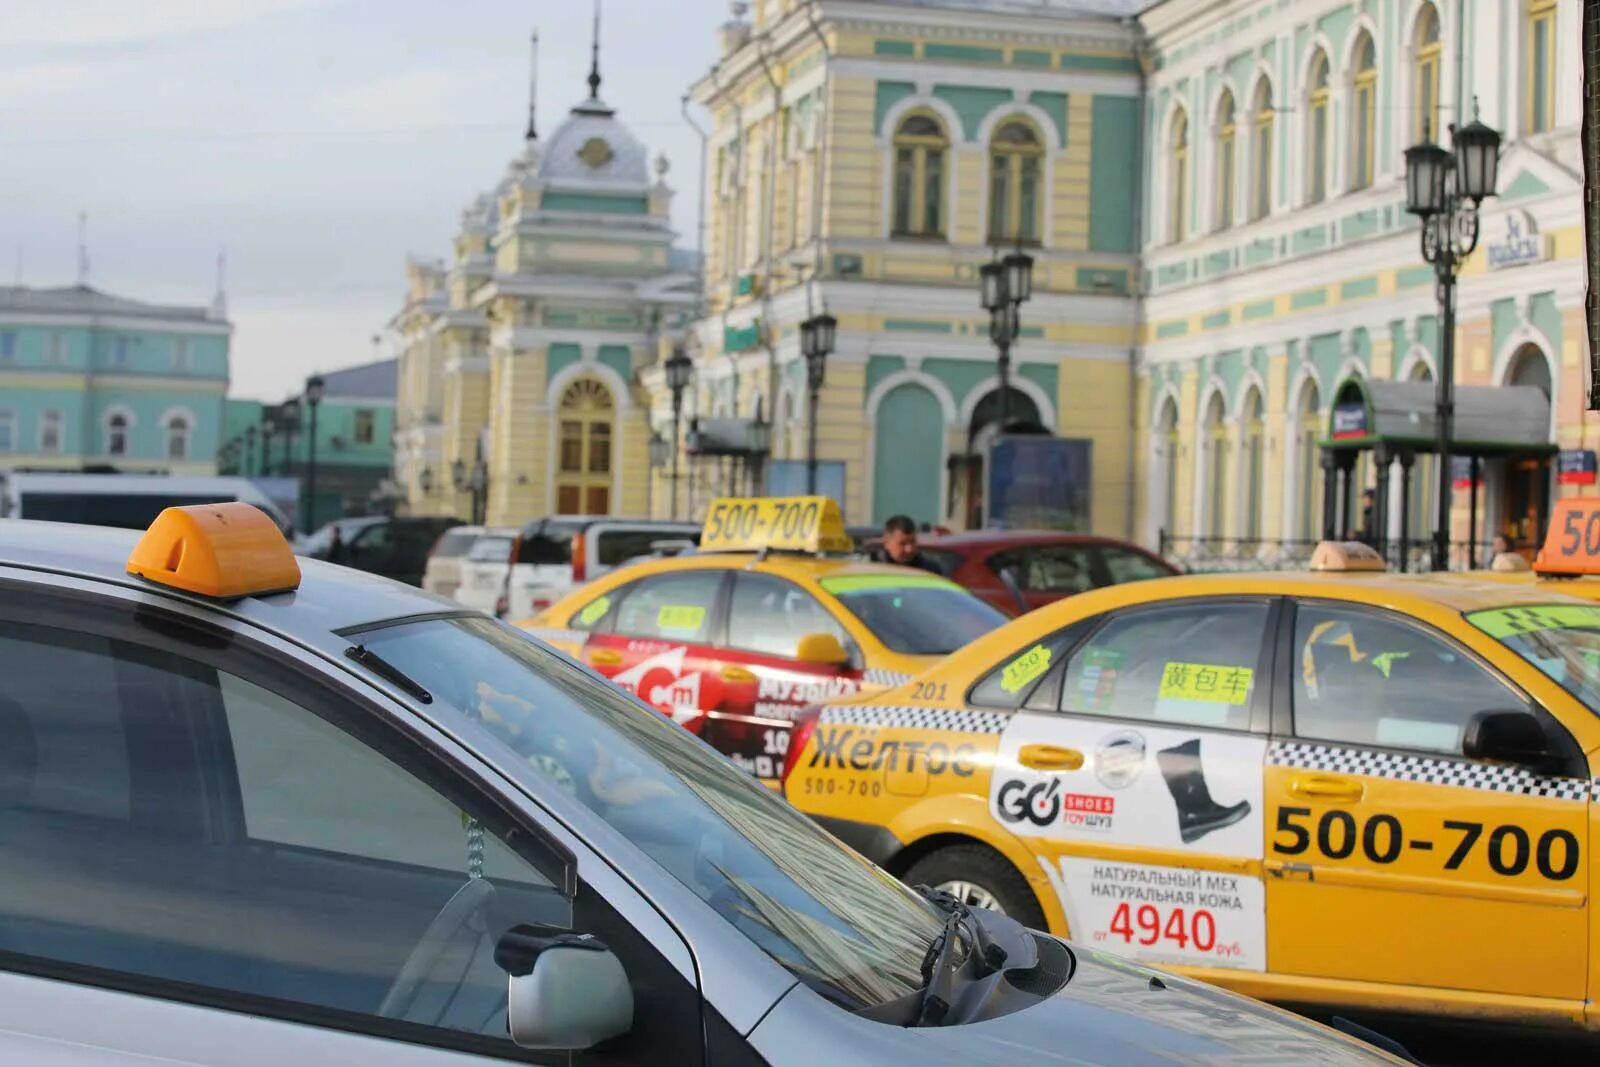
(352, 823)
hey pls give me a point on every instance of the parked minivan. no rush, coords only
(553, 556)
(442, 573)
(483, 570)
(129, 501)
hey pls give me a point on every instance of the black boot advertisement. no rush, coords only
(1198, 813)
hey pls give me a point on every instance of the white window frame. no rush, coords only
(52, 417)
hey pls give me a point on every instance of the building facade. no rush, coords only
(520, 359)
(867, 158)
(354, 445)
(1280, 262)
(94, 381)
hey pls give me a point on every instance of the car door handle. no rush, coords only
(732, 673)
(1324, 787)
(604, 657)
(1050, 758)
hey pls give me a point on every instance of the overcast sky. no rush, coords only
(318, 141)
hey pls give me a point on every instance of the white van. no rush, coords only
(130, 501)
(482, 581)
(551, 557)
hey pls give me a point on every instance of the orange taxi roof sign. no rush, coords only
(1346, 556)
(1572, 547)
(225, 551)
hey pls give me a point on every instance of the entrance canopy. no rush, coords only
(1503, 420)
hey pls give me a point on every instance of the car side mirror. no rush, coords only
(822, 649)
(566, 992)
(1508, 736)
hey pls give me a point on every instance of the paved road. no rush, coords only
(1465, 1045)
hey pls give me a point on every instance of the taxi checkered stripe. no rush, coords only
(571, 637)
(879, 676)
(954, 720)
(1429, 770)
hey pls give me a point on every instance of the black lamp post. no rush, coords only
(269, 429)
(288, 424)
(1444, 190)
(1004, 286)
(816, 343)
(425, 480)
(314, 388)
(249, 470)
(679, 367)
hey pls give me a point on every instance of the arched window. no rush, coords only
(1317, 129)
(178, 437)
(919, 175)
(117, 434)
(1227, 150)
(583, 468)
(1254, 428)
(1261, 153)
(1167, 441)
(1308, 420)
(1364, 113)
(1178, 178)
(1216, 431)
(1016, 165)
(1541, 65)
(51, 430)
(1425, 90)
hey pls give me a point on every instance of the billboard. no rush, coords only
(1039, 483)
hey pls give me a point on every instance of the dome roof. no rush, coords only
(591, 146)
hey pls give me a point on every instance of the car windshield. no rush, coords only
(491, 549)
(456, 543)
(918, 615)
(839, 924)
(1562, 640)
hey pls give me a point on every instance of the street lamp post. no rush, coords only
(474, 480)
(1004, 285)
(249, 452)
(1444, 190)
(678, 367)
(314, 388)
(816, 343)
(289, 423)
(269, 429)
(425, 481)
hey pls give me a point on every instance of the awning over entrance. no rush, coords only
(1501, 420)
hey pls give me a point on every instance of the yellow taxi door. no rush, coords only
(1391, 857)
(1134, 776)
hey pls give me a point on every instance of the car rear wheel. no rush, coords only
(981, 877)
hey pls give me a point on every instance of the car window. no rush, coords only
(163, 819)
(1057, 569)
(1125, 565)
(550, 546)
(1369, 678)
(1014, 679)
(619, 546)
(918, 615)
(375, 536)
(1562, 640)
(1197, 663)
(837, 923)
(489, 549)
(455, 543)
(671, 607)
(770, 615)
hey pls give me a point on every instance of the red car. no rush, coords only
(1019, 570)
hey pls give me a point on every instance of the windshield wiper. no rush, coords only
(938, 975)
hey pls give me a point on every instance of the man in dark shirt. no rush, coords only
(900, 545)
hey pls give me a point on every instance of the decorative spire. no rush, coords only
(594, 56)
(533, 91)
(83, 249)
(219, 303)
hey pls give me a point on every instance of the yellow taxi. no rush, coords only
(735, 640)
(1341, 787)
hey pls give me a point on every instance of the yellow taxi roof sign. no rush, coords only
(777, 523)
(1572, 547)
(1346, 556)
(218, 550)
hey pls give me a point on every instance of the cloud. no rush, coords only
(119, 22)
(23, 85)
(421, 96)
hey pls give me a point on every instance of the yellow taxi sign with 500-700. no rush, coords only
(781, 523)
(1572, 547)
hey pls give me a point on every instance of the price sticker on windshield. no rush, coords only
(1025, 668)
(688, 617)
